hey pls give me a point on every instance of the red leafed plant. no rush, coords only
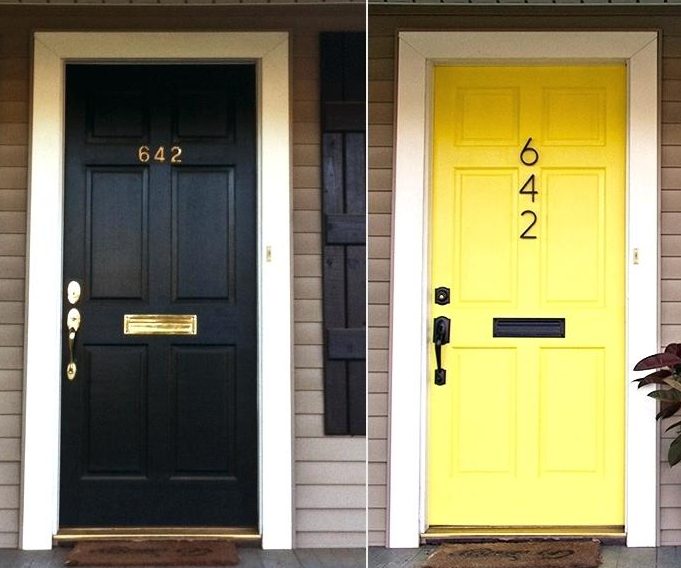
(668, 375)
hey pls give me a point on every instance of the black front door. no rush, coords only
(159, 423)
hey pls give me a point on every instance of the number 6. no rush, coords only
(526, 149)
(143, 154)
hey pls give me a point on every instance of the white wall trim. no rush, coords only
(410, 303)
(40, 463)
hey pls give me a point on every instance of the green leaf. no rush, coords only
(674, 455)
(667, 395)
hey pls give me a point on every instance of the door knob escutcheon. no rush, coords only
(72, 325)
(441, 326)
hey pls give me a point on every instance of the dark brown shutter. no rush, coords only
(343, 113)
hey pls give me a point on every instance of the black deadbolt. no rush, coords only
(442, 296)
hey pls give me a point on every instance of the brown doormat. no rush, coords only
(154, 553)
(533, 554)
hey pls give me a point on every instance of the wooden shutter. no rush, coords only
(343, 113)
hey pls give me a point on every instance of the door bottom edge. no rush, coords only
(607, 534)
(242, 535)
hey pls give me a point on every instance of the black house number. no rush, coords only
(529, 157)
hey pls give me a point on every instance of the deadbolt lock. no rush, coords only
(442, 296)
(73, 292)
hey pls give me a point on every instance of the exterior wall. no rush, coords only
(385, 21)
(329, 472)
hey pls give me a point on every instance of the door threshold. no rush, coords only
(439, 534)
(241, 535)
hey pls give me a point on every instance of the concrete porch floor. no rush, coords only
(613, 557)
(250, 558)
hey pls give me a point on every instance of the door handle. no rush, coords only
(72, 326)
(441, 326)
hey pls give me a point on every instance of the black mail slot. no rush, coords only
(529, 327)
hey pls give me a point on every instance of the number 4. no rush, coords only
(532, 191)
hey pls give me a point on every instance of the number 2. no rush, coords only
(175, 153)
(524, 234)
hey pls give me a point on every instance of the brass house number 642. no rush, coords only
(144, 154)
(529, 157)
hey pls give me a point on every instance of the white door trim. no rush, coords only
(411, 289)
(40, 463)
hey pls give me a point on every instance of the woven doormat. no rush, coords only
(154, 553)
(534, 554)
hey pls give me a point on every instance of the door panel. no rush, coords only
(116, 219)
(569, 195)
(204, 377)
(495, 429)
(116, 419)
(485, 240)
(203, 202)
(529, 430)
(161, 430)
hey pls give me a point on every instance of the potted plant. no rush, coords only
(668, 376)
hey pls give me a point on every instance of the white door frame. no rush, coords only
(40, 463)
(411, 289)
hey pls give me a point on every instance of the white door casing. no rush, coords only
(42, 356)
(411, 288)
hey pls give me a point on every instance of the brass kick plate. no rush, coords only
(454, 533)
(238, 534)
(159, 324)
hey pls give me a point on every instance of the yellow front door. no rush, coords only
(528, 235)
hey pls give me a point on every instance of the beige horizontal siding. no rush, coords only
(329, 471)
(384, 21)
(670, 479)
(381, 111)
(13, 178)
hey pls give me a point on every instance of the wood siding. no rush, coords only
(384, 21)
(329, 472)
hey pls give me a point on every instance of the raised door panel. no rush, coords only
(117, 220)
(204, 413)
(203, 208)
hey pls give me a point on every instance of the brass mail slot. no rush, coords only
(159, 324)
